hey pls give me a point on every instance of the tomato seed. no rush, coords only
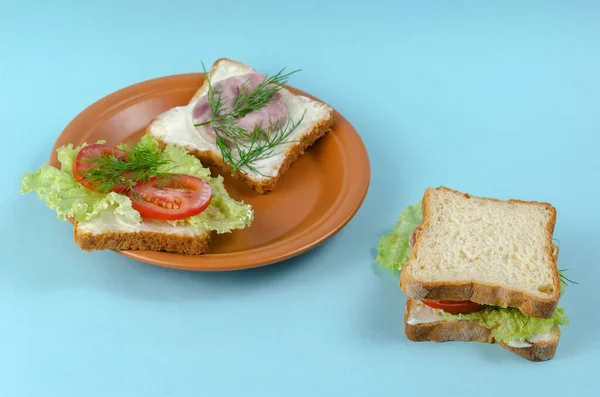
(163, 202)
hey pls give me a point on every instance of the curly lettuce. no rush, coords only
(506, 324)
(63, 194)
(223, 214)
(509, 324)
(393, 248)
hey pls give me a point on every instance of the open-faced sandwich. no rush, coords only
(245, 123)
(139, 197)
(478, 269)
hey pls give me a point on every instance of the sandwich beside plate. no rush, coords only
(478, 269)
(215, 127)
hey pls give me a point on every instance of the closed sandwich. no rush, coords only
(479, 269)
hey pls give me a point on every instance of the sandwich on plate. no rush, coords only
(478, 269)
(245, 123)
(137, 197)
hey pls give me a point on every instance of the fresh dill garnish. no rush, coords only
(241, 148)
(564, 278)
(139, 164)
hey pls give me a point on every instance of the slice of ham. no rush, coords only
(413, 239)
(269, 117)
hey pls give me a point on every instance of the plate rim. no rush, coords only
(341, 211)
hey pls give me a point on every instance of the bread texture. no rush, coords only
(175, 127)
(472, 331)
(145, 240)
(486, 250)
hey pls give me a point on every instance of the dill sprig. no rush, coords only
(564, 279)
(141, 163)
(240, 148)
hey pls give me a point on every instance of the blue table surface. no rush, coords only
(493, 98)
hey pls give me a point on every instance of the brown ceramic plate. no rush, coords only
(317, 197)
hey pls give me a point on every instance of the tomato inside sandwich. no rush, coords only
(454, 307)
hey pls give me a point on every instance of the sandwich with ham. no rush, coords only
(245, 123)
(478, 269)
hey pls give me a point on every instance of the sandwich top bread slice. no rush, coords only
(484, 250)
(478, 269)
(245, 123)
(141, 197)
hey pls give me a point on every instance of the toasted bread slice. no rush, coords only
(175, 126)
(540, 349)
(152, 236)
(489, 251)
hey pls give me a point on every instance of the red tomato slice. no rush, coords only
(85, 160)
(180, 197)
(454, 307)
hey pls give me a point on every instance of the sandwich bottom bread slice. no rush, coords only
(149, 237)
(471, 268)
(425, 323)
(245, 123)
(137, 197)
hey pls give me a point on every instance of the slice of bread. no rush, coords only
(489, 251)
(541, 349)
(176, 126)
(150, 236)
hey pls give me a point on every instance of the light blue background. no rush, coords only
(498, 99)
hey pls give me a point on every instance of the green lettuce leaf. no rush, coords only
(393, 248)
(181, 162)
(60, 192)
(69, 199)
(509, 324)
(223, 214)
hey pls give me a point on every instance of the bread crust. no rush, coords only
(482, 293)
(540, 351)
(472, 331)
(260, 185)
(144, 241)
